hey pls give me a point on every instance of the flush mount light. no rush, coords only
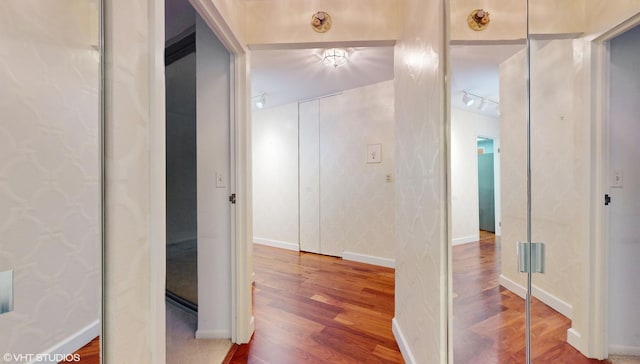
(335, 57)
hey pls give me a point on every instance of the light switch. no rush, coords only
(616, 179)
(220, 182)
(6, 291)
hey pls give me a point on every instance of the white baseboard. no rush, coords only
(574, 338)
(465, 239)
(624, 350)
(213, 334)
(407, 355)
(369, 259)
(550, 300)
(513, 286)
(71, 344)
(277, 244)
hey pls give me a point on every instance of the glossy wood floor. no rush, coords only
(317, 309)
(90, 353)
(489, 320)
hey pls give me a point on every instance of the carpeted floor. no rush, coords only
(182, 270)
(182, 347)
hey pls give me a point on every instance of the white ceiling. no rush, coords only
(297, 74)
(291, 75)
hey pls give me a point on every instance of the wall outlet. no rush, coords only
(6, 291)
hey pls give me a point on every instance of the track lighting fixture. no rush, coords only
(469, 99)
(260, 100)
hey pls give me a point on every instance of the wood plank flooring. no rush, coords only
(488, 320)
(89, 354)
(316, 309)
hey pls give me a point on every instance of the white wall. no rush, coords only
(50, 174)
(421, 198)
(466, 126)
(354, 203)
(275, 174)
(214, 210)
(624, 211)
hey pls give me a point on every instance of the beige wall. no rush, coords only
(50, 205)
(281, 22)
(127, 299)
(508, 19)
(603, 14)
(421, 232)
(353, 208)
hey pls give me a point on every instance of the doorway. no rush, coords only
(310, 153)
(486, 185)
(624, 192)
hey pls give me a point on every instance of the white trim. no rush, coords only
(595, 343)
(547, 298)
(573, 337)
(466, 239)
(624, 350)
(407, 355)
(213, 334)
(74, 342)
(241, 269)
(277, 244)
(369, 259)
(157, 186)
(513, 286)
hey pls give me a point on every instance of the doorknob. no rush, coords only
(607, 200)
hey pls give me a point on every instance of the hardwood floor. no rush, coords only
(488, 320)
(89, 354)
(317, 309)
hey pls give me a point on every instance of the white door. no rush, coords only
(624, 209)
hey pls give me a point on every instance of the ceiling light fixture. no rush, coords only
(335, 57)
(483, 104)
(469, 99)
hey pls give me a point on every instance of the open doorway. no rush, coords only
(486, 185)
(198, 172)
(313, 127)
(624, 193)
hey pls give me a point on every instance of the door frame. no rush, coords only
(595, 343)
(242, 321)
